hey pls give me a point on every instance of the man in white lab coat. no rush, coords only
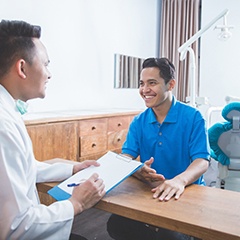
(23, 75)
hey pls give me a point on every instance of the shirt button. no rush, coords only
(160, 134)
(160, 143)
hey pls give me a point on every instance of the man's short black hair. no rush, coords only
(167, 69)
(16, 42)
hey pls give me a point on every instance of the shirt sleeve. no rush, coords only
(53, 172)
(199, 145)
(22, 216)
(131, 145)
(43, 222)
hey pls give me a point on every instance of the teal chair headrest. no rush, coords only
(231, 113)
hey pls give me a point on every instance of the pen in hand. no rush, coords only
(75, 184)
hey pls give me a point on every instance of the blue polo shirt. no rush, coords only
(174, 144)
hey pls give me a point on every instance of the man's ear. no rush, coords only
(21, 70)
(171, 84)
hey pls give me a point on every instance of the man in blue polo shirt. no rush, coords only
(170, 137)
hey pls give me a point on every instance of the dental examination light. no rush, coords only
(186, 47)
(225, 34)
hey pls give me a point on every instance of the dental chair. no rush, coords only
(224, 139)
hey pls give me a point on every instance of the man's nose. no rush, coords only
(49, 75)
(145, 88)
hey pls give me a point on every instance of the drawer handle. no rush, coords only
(94, 145)
(93, 127)
(119, 124)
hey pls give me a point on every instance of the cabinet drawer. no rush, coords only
(116, 139)
(93, 127)
(118, 123)
(92, 144)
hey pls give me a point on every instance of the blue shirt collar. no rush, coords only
(171, 116)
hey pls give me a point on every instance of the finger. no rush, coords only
(101, 187)
(99, 182)
(163, 196)
(157, 191)
(102, 191)
(148, 170)
(157, 177)
(82, 180)
(162, 192)
(95, 163)
(83, 165)
(91, 163)
(177, 195)
(170, 195)
(94, 177)
(154, 190)
(149, 162)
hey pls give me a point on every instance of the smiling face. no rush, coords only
(36, 73)
(153, 89)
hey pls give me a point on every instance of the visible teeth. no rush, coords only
(148, 96)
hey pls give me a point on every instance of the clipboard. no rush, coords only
(113, 169)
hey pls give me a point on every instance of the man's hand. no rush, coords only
(168, 189)
(175, 187)
(87, 194)
(80, 166)
(149, 174)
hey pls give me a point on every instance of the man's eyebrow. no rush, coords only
(148, 80)
(151, 79)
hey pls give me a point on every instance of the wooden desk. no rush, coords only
(204, 212)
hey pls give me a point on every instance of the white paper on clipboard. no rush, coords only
(113, 169)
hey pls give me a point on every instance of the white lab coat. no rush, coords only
(21, 214)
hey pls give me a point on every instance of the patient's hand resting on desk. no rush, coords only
(163, 189)
(168, 189)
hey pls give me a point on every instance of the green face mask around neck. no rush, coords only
(21, 106)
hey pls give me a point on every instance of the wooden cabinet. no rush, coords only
(117, 131)
(53, 140)
(78, 137)
(92, 138)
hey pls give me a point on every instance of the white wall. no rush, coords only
(81, 37)
(220, 60)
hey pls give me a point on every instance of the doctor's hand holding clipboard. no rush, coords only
(113, 168)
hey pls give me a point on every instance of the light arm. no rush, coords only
(184, 48)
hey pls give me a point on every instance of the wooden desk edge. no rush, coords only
(202, 232)
(107, 205)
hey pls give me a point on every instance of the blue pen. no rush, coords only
(73, 184)
(76, 184)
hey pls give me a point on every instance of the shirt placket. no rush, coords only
(160, 135)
